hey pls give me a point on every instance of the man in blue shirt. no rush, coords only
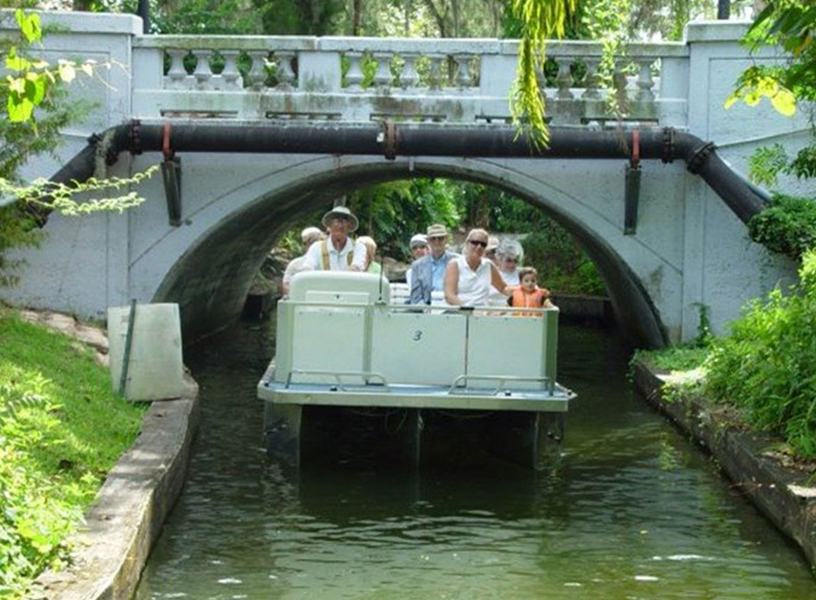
(428, 272)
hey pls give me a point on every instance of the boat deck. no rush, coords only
(378, 393)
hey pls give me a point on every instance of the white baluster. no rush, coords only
(409, 77)
(645, 82)
(383, 76)
(257, 73)
(592, 80)
(230, 74)
(463, 79)
(177, 73)
(620, 82)
(202, 72)
(435, 75)
(286, 76)
(354, 77)
(564, 80)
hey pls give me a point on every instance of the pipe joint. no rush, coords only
(698, 157)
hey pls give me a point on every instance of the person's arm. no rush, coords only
(312, 258)
(358, 263)
(417, 276)
(498, 282)
(452, 284)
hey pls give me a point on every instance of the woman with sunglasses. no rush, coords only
(469, 276)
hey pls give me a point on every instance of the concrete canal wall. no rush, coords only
(776, 484)
(113, 545)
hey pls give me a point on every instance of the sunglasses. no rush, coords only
(510, 260)
(477, 243)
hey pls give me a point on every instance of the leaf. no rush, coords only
(20, 108)
(31, 27)
(15, 62)
(752, 98)
(35, 88)
(87, 68)
(784, 102)
(731, 100)
(66, 71)
(17, 85)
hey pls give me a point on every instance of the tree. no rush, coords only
(788, 225)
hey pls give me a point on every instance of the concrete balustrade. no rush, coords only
(361, 79)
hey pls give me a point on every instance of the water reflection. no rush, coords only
(633, 512)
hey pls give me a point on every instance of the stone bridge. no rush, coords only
(685, 251)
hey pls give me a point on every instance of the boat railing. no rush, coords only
(399, 347)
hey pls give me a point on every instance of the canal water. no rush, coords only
(635, 511)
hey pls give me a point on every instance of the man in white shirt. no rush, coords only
(338, 252)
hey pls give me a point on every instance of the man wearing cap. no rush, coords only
(428, 273)
(338, 252)
(419, 248)
(308, 236)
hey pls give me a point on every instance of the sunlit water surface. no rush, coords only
(636, 511)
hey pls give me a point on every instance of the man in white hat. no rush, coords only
(308, 236)
(428, 273)
(338, 252)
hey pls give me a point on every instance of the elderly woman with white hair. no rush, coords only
(509, 255)
(470, 276)
(308, 236)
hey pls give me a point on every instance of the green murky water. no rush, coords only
(635, 512)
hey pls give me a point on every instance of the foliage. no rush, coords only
(786, 226)
(541, 20)
(560, 261)
(60, 197)
(61, 431)
(385, 209)
(17, 230)
(673, 358)
(767, 366)
(792, 25)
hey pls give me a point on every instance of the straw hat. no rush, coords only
(341, 212)
(437, 230)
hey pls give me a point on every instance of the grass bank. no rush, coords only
(61, 431)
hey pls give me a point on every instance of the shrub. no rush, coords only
(787, 226)
(767, 366)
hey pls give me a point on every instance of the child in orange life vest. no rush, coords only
(528, 294)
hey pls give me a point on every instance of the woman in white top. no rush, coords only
(469, 276)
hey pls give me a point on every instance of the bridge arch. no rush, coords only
(209, 273)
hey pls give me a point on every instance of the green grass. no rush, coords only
(61, 431)
(674, 358)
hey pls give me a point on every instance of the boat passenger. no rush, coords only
(371, 252)
(338, 252)
(428, 272)
(469, 277)
(490, 251)
(529, 295)
(308, 236)
(419, 248)
(509, 255)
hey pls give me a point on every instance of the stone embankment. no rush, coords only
(777, 484)
(111, 549)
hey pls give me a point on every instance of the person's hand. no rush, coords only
(546, 292)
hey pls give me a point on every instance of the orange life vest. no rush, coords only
(522, 299)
